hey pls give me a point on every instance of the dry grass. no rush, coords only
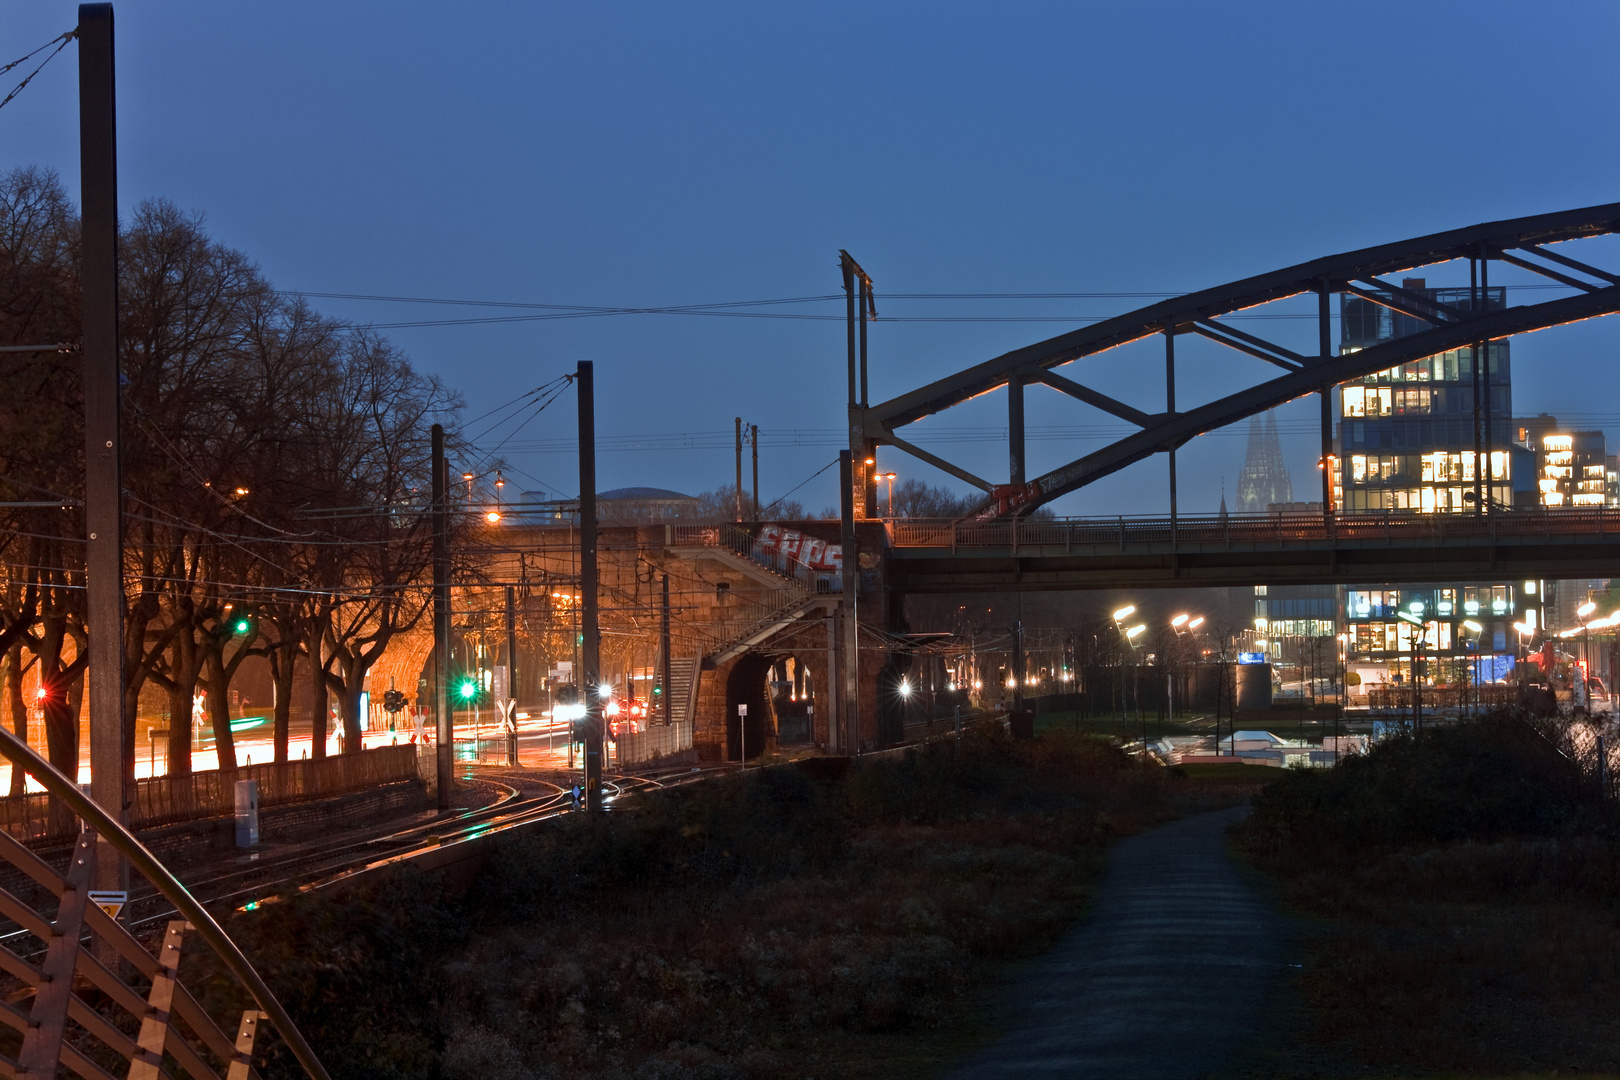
(1467, 925)
(766, 926)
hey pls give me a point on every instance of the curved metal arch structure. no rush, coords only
(1520, 242)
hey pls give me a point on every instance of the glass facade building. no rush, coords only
(1407, 444)
(1407, 434)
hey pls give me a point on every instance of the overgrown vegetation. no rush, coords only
(1464, 888)
(765, 925)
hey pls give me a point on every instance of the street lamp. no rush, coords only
(1417, 655)
(889, 476)
(1476, 629)
(1582, 614)
(1177, 625)
(1130, 639)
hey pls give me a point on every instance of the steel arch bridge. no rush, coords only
(1520, 242)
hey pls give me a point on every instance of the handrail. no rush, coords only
(126, 844)
(1270, 528)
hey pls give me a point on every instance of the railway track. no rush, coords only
(266, 878)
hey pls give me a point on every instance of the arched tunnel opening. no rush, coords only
(780, 693)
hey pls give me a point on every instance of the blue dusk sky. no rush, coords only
(652, 155)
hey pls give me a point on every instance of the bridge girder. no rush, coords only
(1518, 241)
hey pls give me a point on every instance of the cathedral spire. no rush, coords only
(1264, 479)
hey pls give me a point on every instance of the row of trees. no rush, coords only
(276, 468)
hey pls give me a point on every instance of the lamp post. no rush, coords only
(1417, 656)
(1119, 629)
(889, 476)
(1180, 625)
(1583, 613)
(1476, 629)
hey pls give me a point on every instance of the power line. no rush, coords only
(63, 39)
(728, 309)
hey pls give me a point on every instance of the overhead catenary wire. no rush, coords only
(730, 309)
(60, 41)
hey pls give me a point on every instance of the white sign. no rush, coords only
(508, 707)
(563, 671)
(742, 710)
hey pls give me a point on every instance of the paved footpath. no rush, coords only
(1165, 978)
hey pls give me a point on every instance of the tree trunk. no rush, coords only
(282, 659)
(350, 699)
(18, 708)
(317, 696)
(183, 667)
(219, 713)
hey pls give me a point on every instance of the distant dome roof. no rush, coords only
(641, 493)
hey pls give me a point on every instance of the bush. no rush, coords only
(1489, 779)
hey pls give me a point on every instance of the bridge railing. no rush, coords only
(1120, 531)
(745, 541)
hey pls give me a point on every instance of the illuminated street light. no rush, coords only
(1196, 623)
(1471, 625)
(905, 688)
(1178, 620)
(1125, 612)
(1133, 631)
(1585, 609)
(493, 517)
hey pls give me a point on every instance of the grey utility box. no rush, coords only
(247, 813)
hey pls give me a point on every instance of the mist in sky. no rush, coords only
(639, 155)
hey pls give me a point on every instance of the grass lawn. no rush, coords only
(760, 925)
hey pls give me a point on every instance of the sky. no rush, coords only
(633, 155)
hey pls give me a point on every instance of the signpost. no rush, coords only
(742, 733)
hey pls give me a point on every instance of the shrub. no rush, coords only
(1483, 780)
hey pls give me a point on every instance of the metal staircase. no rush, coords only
(767, 626)
(682, 688)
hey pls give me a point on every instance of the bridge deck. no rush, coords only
(967, 556)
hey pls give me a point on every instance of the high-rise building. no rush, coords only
(1264, 480)
(1409, 440)
(1407, 435)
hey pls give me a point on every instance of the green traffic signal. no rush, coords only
(243, 626)
(468, 689)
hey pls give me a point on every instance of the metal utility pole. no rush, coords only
(591, 647)
(1170, 408)
(444, 728)
(1324, 342)
(849, 661)
(738, 422)
(663, 655)
(110, 771)
(753, 443)
(1017, 629)
(510, 705)
(858, 307)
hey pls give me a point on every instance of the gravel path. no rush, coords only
(1167, 976)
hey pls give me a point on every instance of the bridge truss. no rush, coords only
(1520, 242)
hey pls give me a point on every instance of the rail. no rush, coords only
(743, 541)
(1120, 531)
(164, 800)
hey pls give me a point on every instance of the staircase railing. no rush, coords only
(53, 982)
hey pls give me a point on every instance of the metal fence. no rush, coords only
(1434, 698)
(164, 800)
